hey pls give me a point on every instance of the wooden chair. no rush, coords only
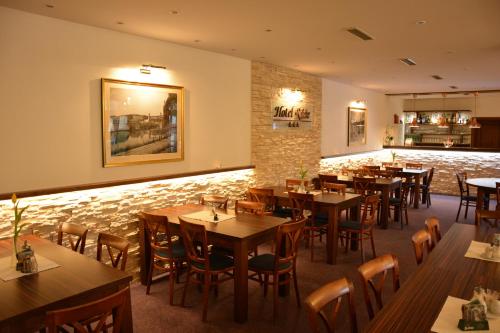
(315, 225)
(393, 169)
(117, 248)
(374, 268)
(400, 204)
(265, 195)
(280, 263)
(382, 173)
(489, 216)
(331, 294)
(216, 201)
(166, 255)
(425, 188)
(387, 164)
(364, 230)
(421, 239)
(325, 178)
(364, 186)
(327, 187)
(465, 198)
(498, 195)
(410, 165)
(432, 226)
(249, 207)
(205, 266)
(371, 167)
(290, 184)
(90, 317)
(73, 230)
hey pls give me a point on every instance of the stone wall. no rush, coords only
(446, 163)
(277, 153)
(114, 209)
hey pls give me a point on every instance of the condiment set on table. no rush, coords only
(26, 260)
(493, 251)
(474, 314)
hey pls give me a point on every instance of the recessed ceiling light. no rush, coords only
(120, 22)
(408, 61)
(453, 87)
(233, 49)
(49, 6)
(421, 22)
(196, 40)
(360, 34)
(268, 30)
(262, 57)
(436, 77)
(173, 12)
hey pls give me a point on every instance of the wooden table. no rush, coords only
(241, 233)
(334, 203)
(485, 186)
(446, 272)
(79, 279)
(386, 186)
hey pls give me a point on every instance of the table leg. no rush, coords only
(355, 213)
(479, 203)
(416, 199)
(384, 213)
(144, 254)
(332, 236)
(240, 281)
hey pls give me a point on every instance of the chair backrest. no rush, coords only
(331, 294)
(97, 311)
(432, 225)
(195, 235)
(291, 183)
(429, 178)
(387, 164)
(364, 185)
(382, 173)
(371, 167)
(369, 214)
(117, 248)
(217, 201)
(378, 268)
(461, 178)
(265, 195)
(421, 239)
(327, 179)
(333, 187)
(291, 234)
(394, 169)
(300, 202)
(490, 216)
(249, 207)
(73, 231)
(410, 165)
(158, 233)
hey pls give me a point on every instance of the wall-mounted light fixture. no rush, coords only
(291, 97)
(359, 104)
(474, 123)
(146, 69)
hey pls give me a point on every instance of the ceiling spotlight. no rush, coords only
(119, 23)
(453, 87)
(268, 30)
(319, 48)
(173, 12)
(196, 40)
(421, 22)
(49, 6)
(233, 49)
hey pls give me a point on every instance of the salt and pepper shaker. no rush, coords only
(26, 261)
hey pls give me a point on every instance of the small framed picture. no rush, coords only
(356, 129)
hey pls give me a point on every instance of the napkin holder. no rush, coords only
(473, 317)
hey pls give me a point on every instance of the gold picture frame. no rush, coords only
(356, 127)
(141, 122)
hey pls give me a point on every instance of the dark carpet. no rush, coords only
(152, 313)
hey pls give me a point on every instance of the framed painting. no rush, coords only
(356, 129)
(141, 122)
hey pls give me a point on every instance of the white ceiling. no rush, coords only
(460, 41)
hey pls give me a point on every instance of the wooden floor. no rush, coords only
(153, 314)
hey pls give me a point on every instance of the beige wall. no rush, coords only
(335, 101)
(50, 117)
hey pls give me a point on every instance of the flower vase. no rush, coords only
(302, 187)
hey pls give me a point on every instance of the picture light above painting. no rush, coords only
(141, 123)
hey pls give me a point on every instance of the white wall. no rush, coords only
(50, 115)
(336, 98)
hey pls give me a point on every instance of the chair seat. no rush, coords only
(355, 225)
(217, 262)
(282, 212)
(178, 251)
(265, 262)
(394, 201)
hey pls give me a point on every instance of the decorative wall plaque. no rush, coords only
(289, 109)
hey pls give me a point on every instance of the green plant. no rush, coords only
(17, 224)
(302, 171)
(393, 153)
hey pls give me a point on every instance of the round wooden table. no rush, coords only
(485, 186)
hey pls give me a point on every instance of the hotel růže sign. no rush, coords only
(289, 109)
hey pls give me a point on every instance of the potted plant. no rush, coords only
(17, 227)
(302, 176)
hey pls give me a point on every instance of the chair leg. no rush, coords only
(406, 214)
(347, 239)
(150, 276)
(184, 292)
(266, 283)
(459, 208)
(275, 296)
(361, 248)
(400, 212)
(312, 245)
(206, 291)
(171, 283)
(466, 208)
(295, 285)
